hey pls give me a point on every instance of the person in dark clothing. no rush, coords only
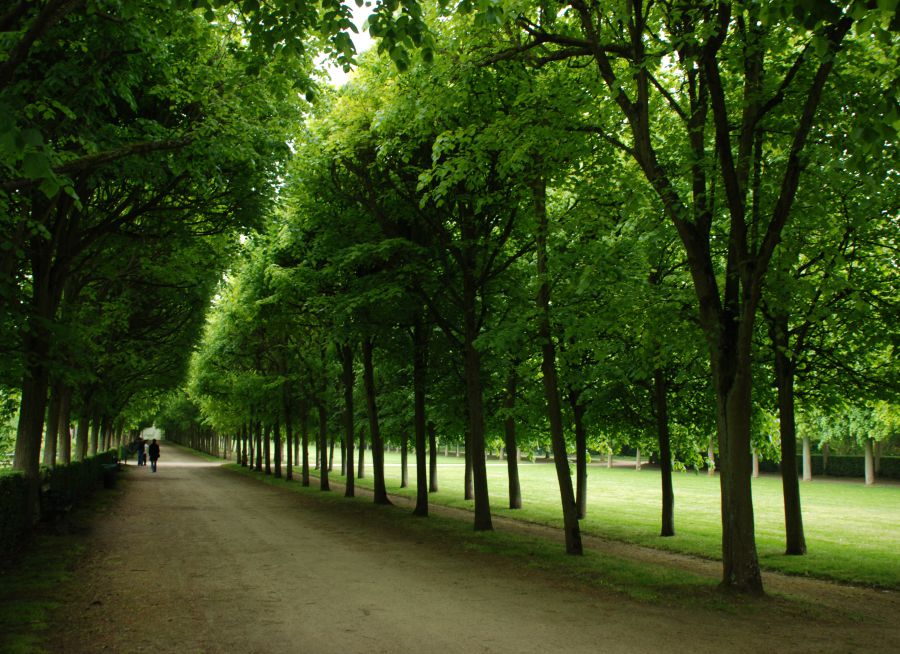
(153, 452)
(141, 450)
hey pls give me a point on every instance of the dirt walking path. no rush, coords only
(199, 559)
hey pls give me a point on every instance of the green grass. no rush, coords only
(852, 531)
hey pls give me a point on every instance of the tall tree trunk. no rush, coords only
(637, 458)
(348, 380)
(784, 382)
(661, 410)
(755, 463)
(82, 436)
(95, 431)
(468, 488)
(807, 459)
(740, 564)
(323, 448)
(343, 457)
(578, 410)
(276, 433)
(825, 458)
(404, 460)
(45, 296)
(64, 432)
(869, 462)
(259, 446)
(331, 454)
(512, 448)
(551, 385)
(475, 400)
(380, 493)
(289, 435)
(51, 437)
(432, 458)
(304, 445)
(420, 353)
(267, 447)
(361, 458)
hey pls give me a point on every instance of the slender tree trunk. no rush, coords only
(82, 436)
(323, 449)
(343, 458)
(661, 409)
(267, 447)
(380, 493)
(259, 446)
(512, 448)
(755, 463)
(807, 459)
(420, 353)
(468, 488)
(475, 403)
(64, 431)
(348, 382)
(361, 458)
(304, 445)
(711, 457)
(51, 437)
(578, 410)
(825, 458)
(870, 462)
(331, 454)
(551, 385)
(95, 432)
(276, 433)
(795, 540)
(404, 467)
(289, 435)
(432, 458)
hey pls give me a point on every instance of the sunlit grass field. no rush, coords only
(852, 531)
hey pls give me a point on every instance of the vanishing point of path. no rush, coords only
(200, 559)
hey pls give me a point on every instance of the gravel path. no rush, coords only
(199, 559)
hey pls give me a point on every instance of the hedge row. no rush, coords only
(842, 466)
(67, 484)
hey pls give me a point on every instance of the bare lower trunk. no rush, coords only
(304, 446)
(380, 493)
(870, 462)
(276, 434)
(468, 491)
(578, 410)
(259, 447)
(348, 382)
(64, 433)
(637, 458)
(82, 436)
(51, 436)
(551, 385)
(807, 459)
(661, 409)
(323, 449)
(432, 458)
(755, 463)
(267, 448)
(420, 351)
(404, 460)
(795, 540)
(361, 462)
(512, 450)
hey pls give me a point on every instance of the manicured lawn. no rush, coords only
(852, 532)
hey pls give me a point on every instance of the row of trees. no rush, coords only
(594, 222)
(138, 141)
(576, 225)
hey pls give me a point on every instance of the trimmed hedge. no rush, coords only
(841, 465)
(13, 525)
(67, 485)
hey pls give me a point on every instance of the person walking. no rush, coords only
(153, 452)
